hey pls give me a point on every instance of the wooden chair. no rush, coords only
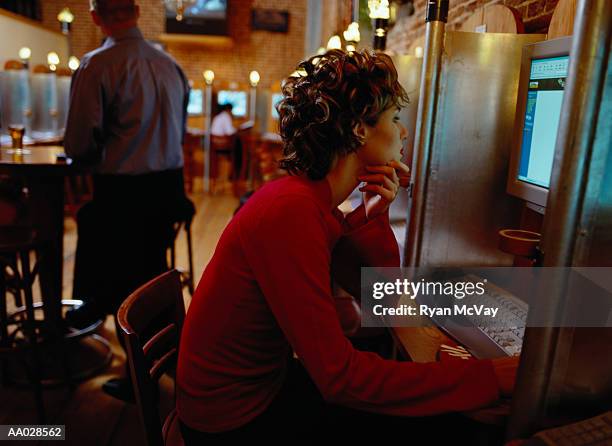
(192, 144)
(150, 321)
(187, 277)
(220, 146)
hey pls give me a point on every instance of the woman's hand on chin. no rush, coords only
(382, 184)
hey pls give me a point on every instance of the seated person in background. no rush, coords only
(266, 293)
(128, 109)
(222, 125)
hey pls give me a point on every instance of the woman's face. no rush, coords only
(383, 141)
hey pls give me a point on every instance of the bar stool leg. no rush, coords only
(190, 286)
(3, 326)
(30, 324)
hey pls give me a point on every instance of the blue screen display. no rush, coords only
(542, 112)
(238, 99)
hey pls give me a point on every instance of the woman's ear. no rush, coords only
(361, 130)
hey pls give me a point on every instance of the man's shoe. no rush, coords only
(120, 388)
(84, 315)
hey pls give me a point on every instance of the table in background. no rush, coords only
(43, 173)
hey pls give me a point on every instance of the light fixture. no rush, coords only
(178, 7)
(24, 54)
(65, 17)
(74, 63)
(334, 43)
(209, 76)
(53, 60)
(379, 13)
(379, 9)
(254, 78)
(352, 36)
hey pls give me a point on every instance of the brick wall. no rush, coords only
(536, 16)
(274, 55)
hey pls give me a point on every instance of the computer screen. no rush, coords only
(238, 99)
(276, 98)
(197, 17)
(196, 102)
(542, 112)
(544, 71)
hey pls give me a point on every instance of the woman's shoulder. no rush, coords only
(287, 198)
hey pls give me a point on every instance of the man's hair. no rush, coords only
(323, 107)
(114, 11)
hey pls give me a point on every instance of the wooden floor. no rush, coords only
(91, 417)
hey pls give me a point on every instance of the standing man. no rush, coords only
(128, 109)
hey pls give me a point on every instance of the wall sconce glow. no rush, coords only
(65, 16)
(334, 43)
(418, 51)
(350, 48)
(53, 60)
(254, 78)
(25, 53)
(379, 9)
(352, 33)
(209, 77)
(73, 63)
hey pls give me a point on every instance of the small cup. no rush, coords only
(16, 132)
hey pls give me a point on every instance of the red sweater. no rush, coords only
(267, 291)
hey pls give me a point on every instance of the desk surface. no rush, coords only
(421, 344)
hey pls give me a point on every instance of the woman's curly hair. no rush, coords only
(326, 100)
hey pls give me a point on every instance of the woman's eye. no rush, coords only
(396, 119)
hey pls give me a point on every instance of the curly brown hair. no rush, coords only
(325, 102)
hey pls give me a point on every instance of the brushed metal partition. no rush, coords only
(409, 76)
(567, 372)
(463, 202)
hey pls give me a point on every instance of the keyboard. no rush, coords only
(483, 339)
(595, 431)
(511, 319)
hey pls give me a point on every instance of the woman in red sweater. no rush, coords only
(265, 297)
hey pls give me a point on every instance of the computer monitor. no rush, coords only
(238, 99)
(276, 98)
(540, 97)
(196, 102)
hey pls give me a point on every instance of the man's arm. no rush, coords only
(187, 89)
(84, 128)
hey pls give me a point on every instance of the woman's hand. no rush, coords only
(382, 184)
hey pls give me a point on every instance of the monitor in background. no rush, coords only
(238, 99)
(276, 98)
(201, 17)
(541, 89)
(196, 102)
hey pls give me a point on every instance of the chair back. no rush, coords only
(221, 142)
(150, 320)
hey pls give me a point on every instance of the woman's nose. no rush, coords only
(403, 132)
